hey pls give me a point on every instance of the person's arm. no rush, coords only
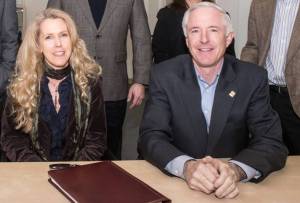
(265, 152)
(250, 50)
(161, 36)
(247, 172)
(15, 143)
(9, 41)
(176, 166)
(95, 140)
(155, 140)
(142, 54)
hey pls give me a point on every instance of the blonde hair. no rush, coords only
(24, 87)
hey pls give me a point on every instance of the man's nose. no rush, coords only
(203, 37)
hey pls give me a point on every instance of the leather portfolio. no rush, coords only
(103, 182)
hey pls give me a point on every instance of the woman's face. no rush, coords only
(55, 43)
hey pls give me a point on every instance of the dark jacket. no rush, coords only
(18, 145)
(243, 125)
(168, 39)
(8, 41)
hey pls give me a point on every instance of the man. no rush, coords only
(209, 105)
(103, 25)
(273, 42)
(8, 46)
(8, 42)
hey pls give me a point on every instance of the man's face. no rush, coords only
(206, 37)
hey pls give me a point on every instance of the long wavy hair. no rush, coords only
(25, 82)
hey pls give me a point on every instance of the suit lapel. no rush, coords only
(110, 5)
(294, 41)
(191, 97)
(267, 11)
(223, 100)
(85, 6)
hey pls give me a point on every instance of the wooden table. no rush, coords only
(27, 182)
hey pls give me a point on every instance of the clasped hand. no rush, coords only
(211, 175)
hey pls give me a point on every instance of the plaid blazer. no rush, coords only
(107, 44)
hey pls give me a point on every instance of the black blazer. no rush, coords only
(168, 39)
(173, 123)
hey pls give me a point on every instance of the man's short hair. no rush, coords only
(227, 20)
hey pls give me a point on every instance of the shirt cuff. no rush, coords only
(250, 172)
(176, 165)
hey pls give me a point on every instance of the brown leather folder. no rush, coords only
(103, 182)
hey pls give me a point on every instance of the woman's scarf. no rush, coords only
(81, 110)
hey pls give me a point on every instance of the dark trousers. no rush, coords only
(115, 115)
(290, 122)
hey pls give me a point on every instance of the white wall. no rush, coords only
(31, 9)
(239, 12)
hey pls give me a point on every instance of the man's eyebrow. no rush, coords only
(214, 26)
(194, 27)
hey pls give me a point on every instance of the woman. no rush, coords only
(168, 39)
(55, 108)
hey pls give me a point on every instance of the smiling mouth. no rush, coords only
(59, 53)
(205, 49)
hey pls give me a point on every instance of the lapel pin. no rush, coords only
(232, 93)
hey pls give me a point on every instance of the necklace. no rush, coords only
(56, 100)
(53, 87)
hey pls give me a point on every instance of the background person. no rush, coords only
(273, 42)
(8, 47)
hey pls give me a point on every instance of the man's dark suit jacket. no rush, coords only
(243, 125)
(8, 41)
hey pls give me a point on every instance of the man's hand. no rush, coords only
(136, 94)
(212, 175)
(226, 183)
(200, 175)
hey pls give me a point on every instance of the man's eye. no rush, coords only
(194, 31)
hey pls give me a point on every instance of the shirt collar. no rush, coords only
(219, 67)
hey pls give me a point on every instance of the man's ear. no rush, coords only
(187, 42)
(229, 38)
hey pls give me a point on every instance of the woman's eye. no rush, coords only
(48, 37)
(64, 34)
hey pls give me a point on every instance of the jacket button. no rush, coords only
(98, 36)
